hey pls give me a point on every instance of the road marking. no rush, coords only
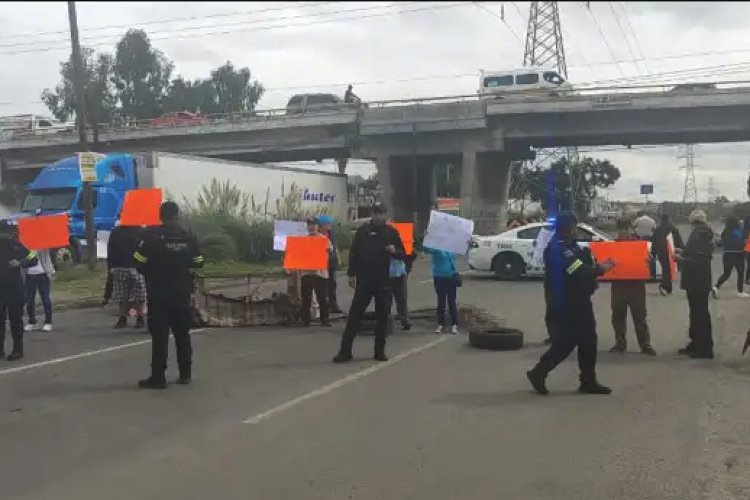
(81, 355)
(322, 391)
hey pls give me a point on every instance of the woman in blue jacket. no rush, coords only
(445, 277)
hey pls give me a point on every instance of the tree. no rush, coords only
(99, 91)
(233, 89)
(141, 75)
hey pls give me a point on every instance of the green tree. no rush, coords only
(141, 76)
(99, 91)
(234, 90)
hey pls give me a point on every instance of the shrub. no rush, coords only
(218, 246)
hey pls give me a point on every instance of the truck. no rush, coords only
(58, 188)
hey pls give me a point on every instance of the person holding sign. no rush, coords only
(570, 274)
(374, 245)
(446, 280)
(38, 278)
(13, 257)
(166, 256)
(316, 281)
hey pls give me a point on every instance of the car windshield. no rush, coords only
(51, 199)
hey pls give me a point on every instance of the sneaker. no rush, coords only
(122, 322)
(663, 291)
(454, 330)
(47, 327)
(343, 358)
(648, 351)
(594, 388)
(619, 349)
(743, 295)
(439, 329)
(715, 292)
(30, 327)
(152, 383)
(537, 382)
(686, 350)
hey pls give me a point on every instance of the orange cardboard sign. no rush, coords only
(672, 260)
(747, 245)
(631, 259)
(406, 232)
(306, 253)
(45, 232)
(141, 208)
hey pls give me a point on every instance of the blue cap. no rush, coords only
(325, 219)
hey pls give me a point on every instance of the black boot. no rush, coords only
(139, 323)
(122, 322)
(591, 386)
(537, 382)
(153, 383)
(343, 357)
(15, 356)
(380, 355)
(687, 349)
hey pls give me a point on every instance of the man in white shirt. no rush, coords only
(644, 226)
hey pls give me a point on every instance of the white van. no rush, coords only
(496, 84)
(33, 125)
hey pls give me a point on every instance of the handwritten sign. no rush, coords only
(542, 240)
(631, 259)
(284, 228)
(449, 233)
(45, 232)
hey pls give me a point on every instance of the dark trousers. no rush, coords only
(446, 292)
(666, 271)
(40, 283)
(575, 331)
(747, 267)
(733, 260)
(363, 293)
(398, 285)
(630, 295)
(308, 284)
(549, 314)
(13, 311)
(333, 303)
(165, 315)
(701, 337)
(108, 286)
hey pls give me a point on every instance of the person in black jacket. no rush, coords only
(746, 236)
(128, 285)
(166, 257)
(696, 281)
(733, 257)
(375, 243)
(660, 250)
(13, 257)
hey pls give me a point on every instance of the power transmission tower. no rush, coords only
(690, 192)
(544, 47)
(713, 193)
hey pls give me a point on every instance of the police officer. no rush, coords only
(570, 275)
(13, 256)
(166, 256)
(374, 244)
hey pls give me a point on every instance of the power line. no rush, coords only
(624, 35)
(604, 39)
(624, 8)
(261, 28)
(502, 19)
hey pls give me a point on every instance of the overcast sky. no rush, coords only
(394, 50)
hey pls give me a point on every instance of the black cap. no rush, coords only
(379, 208)
(312, 220)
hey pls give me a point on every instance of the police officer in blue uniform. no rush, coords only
(13, 256)
(570, 276)
(166, 257)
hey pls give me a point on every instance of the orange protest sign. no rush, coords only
(43, 233)
(406, 232)
(306, 253)
(747, 246)
(672, 260)
(141, 208)
(631, 259)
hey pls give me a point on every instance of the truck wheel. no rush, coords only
(508, 267)
(497, 339)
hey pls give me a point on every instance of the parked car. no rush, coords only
(178, 119)
(306, 103)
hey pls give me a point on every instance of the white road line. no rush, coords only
(86, 354)
(322, 391)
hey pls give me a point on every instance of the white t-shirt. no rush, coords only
(36, 270)
(644, 226)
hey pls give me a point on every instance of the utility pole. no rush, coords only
(690, 191)
(81, 121)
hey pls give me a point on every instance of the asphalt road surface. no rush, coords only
(269, 417)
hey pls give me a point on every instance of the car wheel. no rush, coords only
(508, 267)
(497, 339)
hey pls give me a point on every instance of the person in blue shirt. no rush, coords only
(446, 280)
(326, 226)
(399, 274)
(733, 240)
(570, 274)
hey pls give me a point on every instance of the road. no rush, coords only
(269, 417)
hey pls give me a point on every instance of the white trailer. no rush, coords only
(182, 179)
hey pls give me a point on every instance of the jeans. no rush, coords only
(41, 283)
(446, 292)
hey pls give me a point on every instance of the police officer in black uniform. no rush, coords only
(13, 256)
(570, 276)
(374, 244)
(166, 256)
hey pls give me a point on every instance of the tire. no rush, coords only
(508, 267)
(497, 339)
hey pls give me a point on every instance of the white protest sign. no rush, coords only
(449, 233)
(102, 238)
(87, 165)
(284, 228)
(542, 240)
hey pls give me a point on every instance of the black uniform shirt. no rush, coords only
(11, 282)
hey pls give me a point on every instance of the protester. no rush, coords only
(39, 279)
(13, 257)
(660, 250)
(446, 280)
(644, 225)
(166, 257)
(108, 285)
(746, 237)
(326, 227)
(571, 275)
(629, 294)
(316, 281)
(128, 284)
(733, 257)
(696, 281)
(399, 274)
(350, 97)
(374, 245)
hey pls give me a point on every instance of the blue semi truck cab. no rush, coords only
(58, 189)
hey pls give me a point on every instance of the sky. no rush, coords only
(401, 50)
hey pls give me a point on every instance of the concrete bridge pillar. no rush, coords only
(408, 187)
(484, 190)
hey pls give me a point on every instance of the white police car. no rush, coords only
(509, 255)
